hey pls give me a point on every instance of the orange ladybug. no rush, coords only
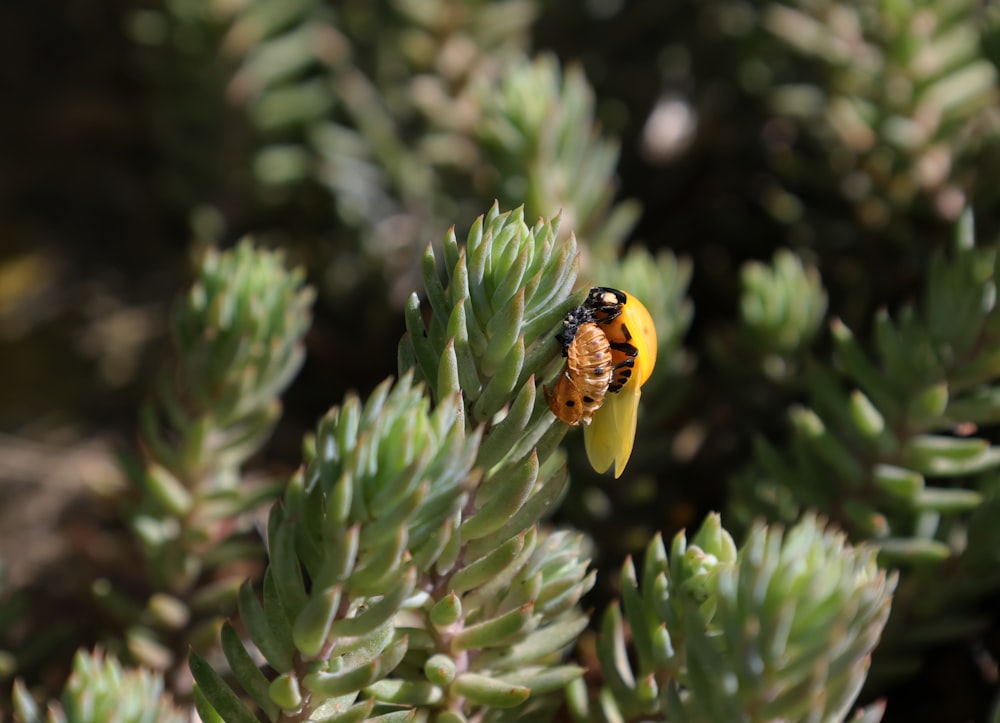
(632, 339)
(606, 306)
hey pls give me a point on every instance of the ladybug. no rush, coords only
(631, 336)
(606, 307)
(589, 371)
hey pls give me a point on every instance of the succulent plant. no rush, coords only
(780, 629)
(408, 570)
(99, 690)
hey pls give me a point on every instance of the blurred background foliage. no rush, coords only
(823, 147)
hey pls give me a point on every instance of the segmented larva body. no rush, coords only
(589, 372)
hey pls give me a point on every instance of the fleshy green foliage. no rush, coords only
(433, 116)
(520, 131)
(409, 578)
(238, 343)
(310, 68)
(905, 105)
(891, 451)
(779, 630)
(782, 306)
(413, 573)
(100, 691)
(541, 142)
(238, 339)
(379, 118)
(492, 321)
(408, 575)
(238, 336)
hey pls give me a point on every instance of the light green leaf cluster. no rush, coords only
(408, 575)
(99, 690)
(377, 504)
(493, 317)
(325, 110)
(895, 454)
(931, 372)
(782, 306)
(238, 343)
(372, 105)
(238, 340)
(907, 103)
(541, 140)
(424, 121)
(779, 630)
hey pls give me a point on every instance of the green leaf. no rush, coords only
(489, 592)
(435, 545)
(458, 333)
(931, 403)
(286, 572)
(399, 716)
(867, 419)
(947, 501)
(379, 612)
(854, 359)
(312, 627)
(641, 623)
(355, 714)
(613, 656)
(898, 481)
(530, 513)
(168, 491)
(411, 501)
(500, 438)
(506, 490)
(488, 567)
(380, 567)
(206, 713)
(501, 387)
(340, 557)
(427, 358)
(578, 701)
(489, 691)
(335, 684)
(503, 331)
(217, 694)
(544, 679)
(498, 631)
(538, 646)
(447, 378)
(278, 622)
(436, 295)
(246, 671)
(284, 691)
(24, 705)
(405, 692)
(446, 611)
(940, 456)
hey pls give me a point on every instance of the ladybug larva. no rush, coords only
(589, 371)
